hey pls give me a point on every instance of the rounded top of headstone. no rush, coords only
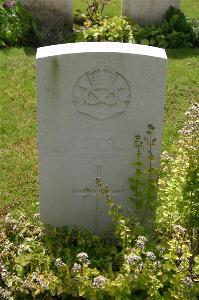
(100, 47)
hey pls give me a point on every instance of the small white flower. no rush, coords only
(76, 268)
(59, 263)
(150, 255)
(132, 259)
(140, 242)
(82, 257)
(122, 222)
(179, 229)
(98, 282)
(188, 281)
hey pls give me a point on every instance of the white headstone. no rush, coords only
(54, 18)
(147, 11)
(93, 99)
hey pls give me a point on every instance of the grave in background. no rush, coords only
(147, 11)
(54, 18)
(93, 98)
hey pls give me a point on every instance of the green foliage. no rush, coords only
(149, 35)
(16, 25)
(114, 29)
(38, 262)
(176, 31)
(179, 184)
(194, 23)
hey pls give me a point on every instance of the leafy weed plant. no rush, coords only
(17, 26)
(179, 183)
(38, 262)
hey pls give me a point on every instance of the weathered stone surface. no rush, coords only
(147, 11)
(54, 18)
(93, 99)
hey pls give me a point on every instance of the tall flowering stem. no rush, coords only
(122, 230)
(144, 182)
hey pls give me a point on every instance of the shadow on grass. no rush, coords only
(182, 53)
(29, 51)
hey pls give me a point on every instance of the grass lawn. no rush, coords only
(189, 7)
(18, 177)
(18, 129)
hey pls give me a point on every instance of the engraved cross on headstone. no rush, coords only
(86, 191)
